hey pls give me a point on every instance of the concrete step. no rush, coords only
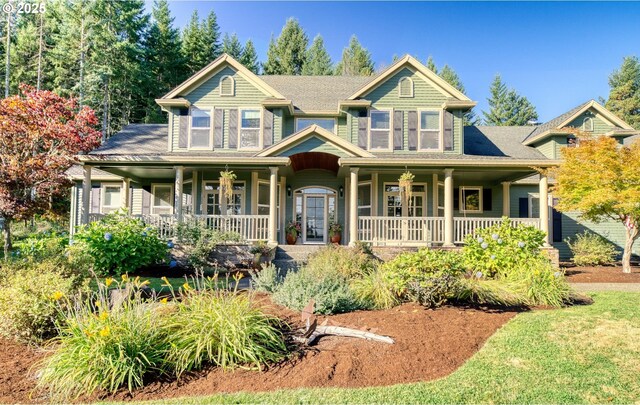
(284, 265)
(296, 252)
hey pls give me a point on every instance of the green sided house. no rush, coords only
(323, 149)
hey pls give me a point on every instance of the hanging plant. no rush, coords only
(227, 178)
(406, 186)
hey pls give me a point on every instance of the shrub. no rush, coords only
(101, 349)
(491, 292)
(497, 249)
(266, 280)
(375, 290)
(590, 249)
(347, 262)
(330, 291)
(42, 245)
(28, 294)
(208, 239)
(221, 328)
(432, 292)
(118, 244)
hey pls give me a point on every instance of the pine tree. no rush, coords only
(356, 60)
(193, 49)
(507, 107)
(624, 96)
(249, 57)
(211, 32)
(272, 65)
(431, 65)
(451, 77)
(231, 46)
(318, 61)
(286, 56)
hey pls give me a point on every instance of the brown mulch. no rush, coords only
(602, 274)
(429, 344)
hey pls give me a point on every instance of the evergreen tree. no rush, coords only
(431, 65)
(211, 32)
(249, 57)
(231, 46)
(194, 50)
(272, 65)
(318, 61)
(451, 77)
(624, 96)
(507, 107)
(286, 56)
(356, 60)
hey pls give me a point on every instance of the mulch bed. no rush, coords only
(429, 344)
(601, 274)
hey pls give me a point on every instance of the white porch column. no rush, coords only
(126, 194)
(179, 191)
(353, 206)
(544, 207)
(436, 197)
(448, 207)
(506, 199)
(273, 205)
(86, 194)
(194, 193)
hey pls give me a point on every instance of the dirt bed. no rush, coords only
(602, 274)
(429, 344)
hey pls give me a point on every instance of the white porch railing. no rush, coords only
(405, 231)
(468, 226)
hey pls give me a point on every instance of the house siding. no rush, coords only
(600, 126)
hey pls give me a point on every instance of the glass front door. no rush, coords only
(315, 219)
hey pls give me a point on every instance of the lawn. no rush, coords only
(583, 354)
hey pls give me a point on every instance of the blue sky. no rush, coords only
(558, 54)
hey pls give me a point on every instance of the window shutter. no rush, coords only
(398, 126)
(448, 131)
(183, 128)
(218, 118)
(233, 128)
(95, 199)
(523, 207)
(413, 130)
(267, 128)
(146, 200)
(487, 200)
(363, 128)
(456, 198)
(557, 225)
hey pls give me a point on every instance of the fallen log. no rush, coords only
(323, 330)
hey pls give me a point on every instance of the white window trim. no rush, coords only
(335, 122)
(440, 132)
(211, 125)
(153, 198)
(461, 205)
(278, 192)
(233, 86)
(370, 206)
(393, 193)
(260, 128)
(216, 183)
(584, 124)
(103, 194)
(531, 197)
(298, 191)
(410, 80)
(390, 141)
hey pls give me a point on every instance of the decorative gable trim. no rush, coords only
(422, 71)
(314, 131)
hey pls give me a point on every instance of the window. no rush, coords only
(214, 205)
(587, 124)
(471, 199)
(250, 129)
(394, 206)
(264, 191)
(162, 199)
(111, 199)
(227, 86)
(364, 199)
(200, 129)
(429, 130)
(405, 87)
(327, 123)
(380, 129)
(572, 141)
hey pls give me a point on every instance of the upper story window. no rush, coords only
(250, 129)
(327, 123)
(405, 87)
(572, 141)
(200, 129)
(227, 86)
(111, 198)
(429, 136)
(587, 124)
(380, 129)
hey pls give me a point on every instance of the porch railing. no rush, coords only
(406, 231)
(468, 226)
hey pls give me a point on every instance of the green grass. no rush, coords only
(584, 354)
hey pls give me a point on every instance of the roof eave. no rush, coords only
(521, 163)
(137, 159)
(458, 104)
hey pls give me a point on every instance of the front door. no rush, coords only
(314, 221)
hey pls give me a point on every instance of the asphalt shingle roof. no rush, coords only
(493, 141)
(552, 124)
(136, 139)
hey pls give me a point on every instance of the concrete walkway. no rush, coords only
(597, 287)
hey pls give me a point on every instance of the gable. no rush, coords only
(314, 144)
(600, 124)
(208, 92)
(387, 94)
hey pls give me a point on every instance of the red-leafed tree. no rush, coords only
(40, 135)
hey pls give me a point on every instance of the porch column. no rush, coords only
(506, 199)
(126, 194)
(448, 207)
(178, 199)
(436, 197)
(544, 207)
(86, 194)
(353, 206)
(273, 205)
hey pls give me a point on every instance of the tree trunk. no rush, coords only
(6, 233)
(631, 234)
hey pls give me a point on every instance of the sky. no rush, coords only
(557, 54)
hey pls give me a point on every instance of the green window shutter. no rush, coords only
(146, 200)
(413, 130)
(183, 128)
(218, 121)
(398, 126)
(448, 131)
(363, 128)
(456, 198)
(233, 128)
(487, 200)
(267, 128)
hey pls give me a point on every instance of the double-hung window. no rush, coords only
(162, 199)
(215, 205)
(200, 129)
(111, 198)
(250, 129)
(430, 130)
(471, 199)
(380, 129)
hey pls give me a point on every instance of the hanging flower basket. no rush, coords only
(227, 178)
(406, 186)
